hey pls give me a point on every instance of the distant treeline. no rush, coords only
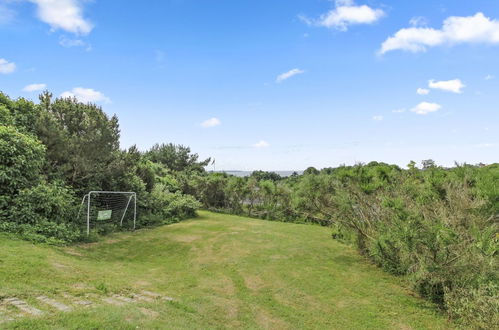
(438, 227)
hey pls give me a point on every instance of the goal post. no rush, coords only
(109, 207)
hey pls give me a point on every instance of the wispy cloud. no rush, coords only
(346, 13)
(7, 15)
(485, 145)
(87, 95)
(34, 87)
(261, 144)
(489, 77)
(454, 85)
(6, 67)
(286, 75)
(70, 42)
(425, 108)
(418, 21)
(399, 110)
(212, 122)
(378, 118)
(423, 91)
(455, 30)
(66, 15)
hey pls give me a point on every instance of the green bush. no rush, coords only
(44, 232)
(45, 202)
(21, 160)
(163, 206)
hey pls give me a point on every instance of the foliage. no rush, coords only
(44, 232)
(437, 227)
(43, 203)
(81, 141)
(164, 206)
(263, 175)
(22, 113)
(21, 160)
(54, 152)
(176, 157)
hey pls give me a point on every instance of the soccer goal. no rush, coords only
(118, 208)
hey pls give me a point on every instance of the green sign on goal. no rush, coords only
(104, 215)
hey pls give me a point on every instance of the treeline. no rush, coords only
(54, 152)
(436, 226)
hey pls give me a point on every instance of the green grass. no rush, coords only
(223, 271)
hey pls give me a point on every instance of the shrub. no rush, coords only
(21, 159)
(163, 206)
(44, 232)
(45, 202)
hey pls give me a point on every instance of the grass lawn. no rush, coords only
(223, 271)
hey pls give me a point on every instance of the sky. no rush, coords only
(271, 85)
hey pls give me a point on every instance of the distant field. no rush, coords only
(222, 271)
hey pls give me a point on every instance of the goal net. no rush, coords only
(108, 209)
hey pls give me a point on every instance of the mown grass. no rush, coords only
(223, 271)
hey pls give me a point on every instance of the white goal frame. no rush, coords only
(88, 198)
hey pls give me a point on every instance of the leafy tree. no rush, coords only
(428, 163)
(23, 113)
(6, 118)
(311, 171)
(176, 157)
(81, 141)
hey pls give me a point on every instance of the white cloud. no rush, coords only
(34, 87)
(489, 77)
(261, 144)
(423, 91)
(212, 122)
(454, 85)
(418, 21)
(86, 95)
(398, 110)
(345, 14)
(378, 118)
(66, 15)
(6, 66)
(286, 75)
(424, 108)
(455, 30)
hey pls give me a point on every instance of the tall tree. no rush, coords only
(81, 140)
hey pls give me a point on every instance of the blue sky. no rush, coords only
(273, 85)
